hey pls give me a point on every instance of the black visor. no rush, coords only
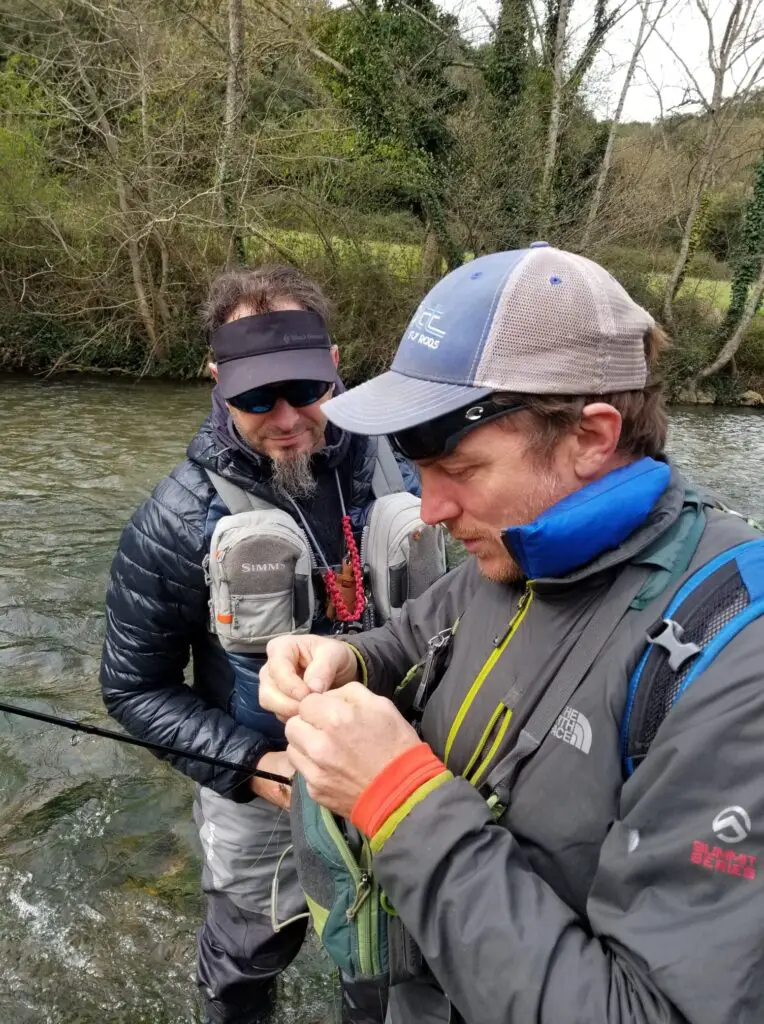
(253, 351)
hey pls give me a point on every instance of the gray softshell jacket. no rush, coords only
(589, 901)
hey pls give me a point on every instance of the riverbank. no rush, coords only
(374, 286)
(749, 398)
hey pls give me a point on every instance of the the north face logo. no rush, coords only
(574, 728)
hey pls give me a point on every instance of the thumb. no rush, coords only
(326, 664)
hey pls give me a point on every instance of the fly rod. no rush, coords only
(161, 748)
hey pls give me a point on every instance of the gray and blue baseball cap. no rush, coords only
(537, 321)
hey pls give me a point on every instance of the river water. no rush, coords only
(98, 860)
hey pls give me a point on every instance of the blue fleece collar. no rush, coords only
(589, 522)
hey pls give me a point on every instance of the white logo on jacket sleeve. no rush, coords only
(731, 825)
(573, 727)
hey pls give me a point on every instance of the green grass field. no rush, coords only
(714, 294)
(405, 259)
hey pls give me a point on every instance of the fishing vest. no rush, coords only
(264, 564)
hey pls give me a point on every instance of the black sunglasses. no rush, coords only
(437, 438)
(298, 393)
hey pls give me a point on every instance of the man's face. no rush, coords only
(490, 482)
(285, 433)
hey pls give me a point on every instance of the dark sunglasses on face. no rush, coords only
(298, 393)
(437, 438)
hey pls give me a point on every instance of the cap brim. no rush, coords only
(239, 375)
(393, 402)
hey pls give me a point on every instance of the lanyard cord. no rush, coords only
(344, 614)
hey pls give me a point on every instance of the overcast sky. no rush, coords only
(684, 28)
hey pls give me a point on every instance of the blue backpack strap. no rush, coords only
(710, 609)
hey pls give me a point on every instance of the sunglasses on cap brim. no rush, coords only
(298, 393)
(439, 437)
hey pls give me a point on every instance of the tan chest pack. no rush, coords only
(263, 569)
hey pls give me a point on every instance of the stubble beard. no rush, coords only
(548, 491)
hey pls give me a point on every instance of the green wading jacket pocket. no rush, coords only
(334, 864)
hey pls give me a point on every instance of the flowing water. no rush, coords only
(99, 862)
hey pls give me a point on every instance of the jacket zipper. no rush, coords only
(362, 551)
(367, 618)
(497, 734)
(500, 645)
(365, 908)
(365, 886)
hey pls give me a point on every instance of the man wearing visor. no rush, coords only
(266, 443)
(568, 819)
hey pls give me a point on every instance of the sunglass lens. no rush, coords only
(298, 393)
(415, 444)
(305, 392)
(256, 400)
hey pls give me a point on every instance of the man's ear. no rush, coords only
(336, 355)
(213, 368)
(596, 440)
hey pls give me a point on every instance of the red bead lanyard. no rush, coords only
(330, 579)
(341, 609)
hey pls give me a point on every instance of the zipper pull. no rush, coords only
(361, 895)
(434, 646)
(525, 597)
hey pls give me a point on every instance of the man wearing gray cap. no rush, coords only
(565, 800)
(266, 463)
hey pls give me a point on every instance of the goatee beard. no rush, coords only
(293, 477)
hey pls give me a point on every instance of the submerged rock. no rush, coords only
(691, 395)
(751, 398)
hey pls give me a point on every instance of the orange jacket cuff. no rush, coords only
(393, 786)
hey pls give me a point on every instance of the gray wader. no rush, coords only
(239, 953)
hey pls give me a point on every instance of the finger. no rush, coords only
(269, 695)
(324, 667)
(306, 738)
(325, 710)
(283, 676)
(302, 763)
(277, 703)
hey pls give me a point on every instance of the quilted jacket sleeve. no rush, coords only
(156, 605)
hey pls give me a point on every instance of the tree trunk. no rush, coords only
(159, 294)
(736, 30)
(642, 37)
(432, 260)
(234, 104)
(732, 344)
(553, 130)
(680, 266)
(158, 346)
(110, 142)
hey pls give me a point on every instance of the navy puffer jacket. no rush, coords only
(157, 601)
